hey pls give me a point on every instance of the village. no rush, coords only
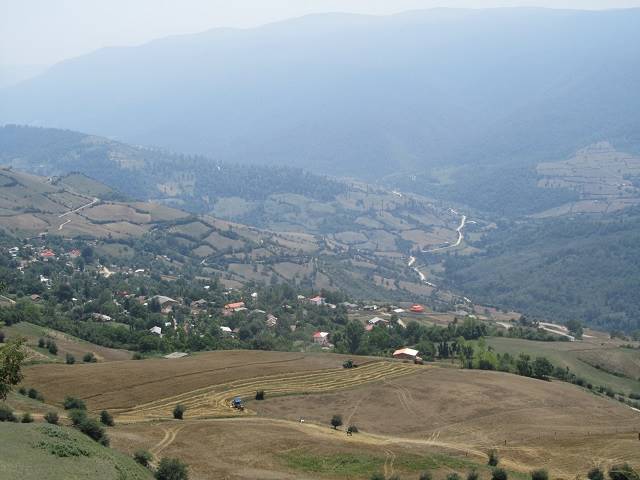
(171, 315)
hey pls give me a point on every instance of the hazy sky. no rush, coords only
(41, 32)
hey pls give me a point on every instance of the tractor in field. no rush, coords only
(237, 404)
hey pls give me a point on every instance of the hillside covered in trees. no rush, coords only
(574, 268)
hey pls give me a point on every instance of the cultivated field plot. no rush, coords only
(532, 423)
(125, 385)
(215, 400)
(262, 448)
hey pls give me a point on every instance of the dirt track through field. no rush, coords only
(215, 400)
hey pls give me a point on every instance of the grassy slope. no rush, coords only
(66, 344)
(570, 355)
(26, 454)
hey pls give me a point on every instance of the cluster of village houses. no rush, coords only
(167, 304)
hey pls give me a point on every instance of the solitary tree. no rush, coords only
(473, 475)
(336, 421)
(425, 476)
(377, 476)
(493, 458)
(70, 359)
(595, 473)
(499, 474)
(172, 469)
(27, 418)
(540, 474)
(178, 411)
(11, 358)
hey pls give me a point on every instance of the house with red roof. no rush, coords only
(321, 338)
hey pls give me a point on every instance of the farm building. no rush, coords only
(378, 321)
(318, 300)
(156, 330)
(321, 338)
(234, 307)
(226, 330)
(406, 354)
(272, 320)
(47, 254)
(417, 308)
(101, 317)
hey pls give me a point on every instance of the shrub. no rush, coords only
(41, 343)
(137, 356)
(260, 395)
(89, 357)
(94, 430)
(1, 336)
(336, 421)
(73, 403)
(52, 418)
(377, 476)
(142, 457)
(352, 429)
(52, 347)
(623, 471)
(70, 359)
(26, 418)
(453, 476)
(499, 474)
(540, 474)
(178, 411)
(106, 419)
(32, 393)
(171, 469)
(425, 476)
(473, 475)
(595, 474)
(6, 414)
(22, 391)
(394, 477)
(493, 458)
(347, 364)
(77, 416)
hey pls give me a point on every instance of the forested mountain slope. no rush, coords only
(351, 94)
(578, 268)
(192, 182)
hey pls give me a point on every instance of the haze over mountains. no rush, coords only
(352, 94)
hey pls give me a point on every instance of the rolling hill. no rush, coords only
(36, 451)
(352, 94)
(359, 242)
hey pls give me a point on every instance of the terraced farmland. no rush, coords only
(215, 400)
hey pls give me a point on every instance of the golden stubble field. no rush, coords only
(403, 412)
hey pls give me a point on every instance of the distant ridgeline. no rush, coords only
(191, 182)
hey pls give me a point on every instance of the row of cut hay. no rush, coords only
(215, 401)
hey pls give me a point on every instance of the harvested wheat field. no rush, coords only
(410, 417)
(126, 385)
(532, 423)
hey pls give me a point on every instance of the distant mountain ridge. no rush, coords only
(352, 94)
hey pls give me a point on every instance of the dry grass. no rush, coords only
(215, 400)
